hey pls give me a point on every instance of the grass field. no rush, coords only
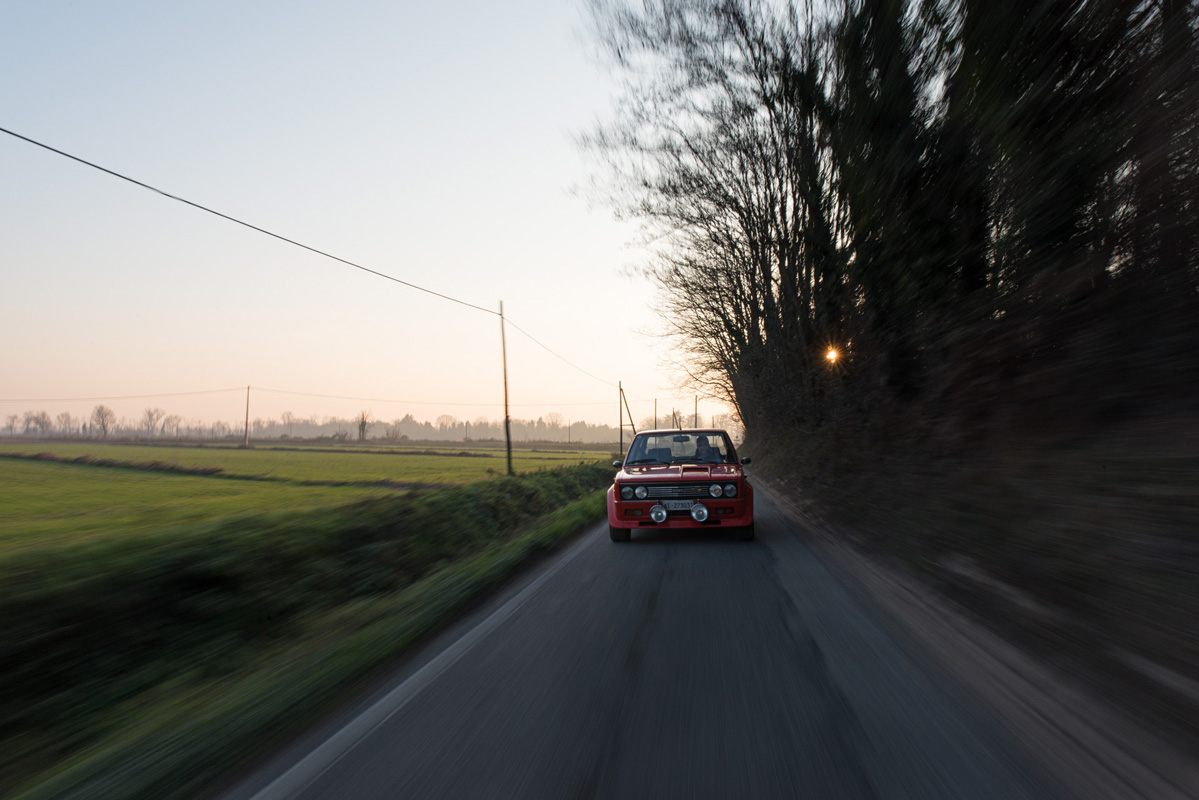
(133, 585)
(47, 500)
(320, 465)
(160, 627)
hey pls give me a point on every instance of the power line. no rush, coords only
(305, 247)
(373, 399)
(422, 402)
(117, 397)
(561, 358)
(289, 392)
(246, 224)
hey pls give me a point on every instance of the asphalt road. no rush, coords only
(667, 667)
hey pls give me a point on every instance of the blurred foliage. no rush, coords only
(898, 179)
(189, 734)
(990, 211)
(96, 627)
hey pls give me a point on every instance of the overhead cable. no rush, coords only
(563, 359)
(117, 397)
(421, 402)
(248, 225)
(289, 392)
(306, 247)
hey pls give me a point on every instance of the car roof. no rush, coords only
(684, 430)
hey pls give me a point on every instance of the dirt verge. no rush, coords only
(1090, 747)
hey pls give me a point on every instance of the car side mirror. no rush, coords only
(617, 464)
(745, 460)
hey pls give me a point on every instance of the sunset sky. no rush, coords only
(434, 142)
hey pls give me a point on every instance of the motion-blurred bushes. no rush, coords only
(91, 625)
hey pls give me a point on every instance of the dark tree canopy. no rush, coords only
(895, 178)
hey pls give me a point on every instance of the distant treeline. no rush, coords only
(157, 424)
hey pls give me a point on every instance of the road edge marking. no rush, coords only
(324, 756)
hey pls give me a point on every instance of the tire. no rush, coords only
(618, 534)
(746, 534)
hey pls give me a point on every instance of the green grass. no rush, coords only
(210, 637)
(176, 744)
(323, 464)
(43, 500)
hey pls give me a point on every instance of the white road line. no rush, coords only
(308, 769)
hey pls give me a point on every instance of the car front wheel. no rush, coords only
(618, 534)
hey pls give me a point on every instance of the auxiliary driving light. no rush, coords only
(657, 513)
(699, 512)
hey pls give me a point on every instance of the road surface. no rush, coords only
(667, 667)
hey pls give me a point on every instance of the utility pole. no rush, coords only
(247, 440)
(655, 413)
(507, 420)
(696, 411)
(620, 413)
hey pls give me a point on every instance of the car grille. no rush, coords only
(677, 491)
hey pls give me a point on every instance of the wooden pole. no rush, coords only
(247, 440)
(507, 420)
(620, 414)
(629, 412)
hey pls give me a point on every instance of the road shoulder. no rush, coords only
(1090, 749)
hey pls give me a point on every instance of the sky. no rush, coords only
(433, 142)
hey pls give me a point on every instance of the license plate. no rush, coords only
(678, 505)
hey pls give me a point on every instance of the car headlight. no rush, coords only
(715, 490)
(730, 490)
(641, 492)
(626, 493)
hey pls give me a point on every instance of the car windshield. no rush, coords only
(712, 447)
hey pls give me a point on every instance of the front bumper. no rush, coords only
(722, 513)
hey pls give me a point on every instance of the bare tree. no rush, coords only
(66, 423)
(13, 419)
(289, 419)
(104, 418)
(363, 421)
(151, 418)
(172, 424)
(38, 421)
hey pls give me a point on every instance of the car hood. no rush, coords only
(679, 472)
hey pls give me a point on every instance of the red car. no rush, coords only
(679, 480)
